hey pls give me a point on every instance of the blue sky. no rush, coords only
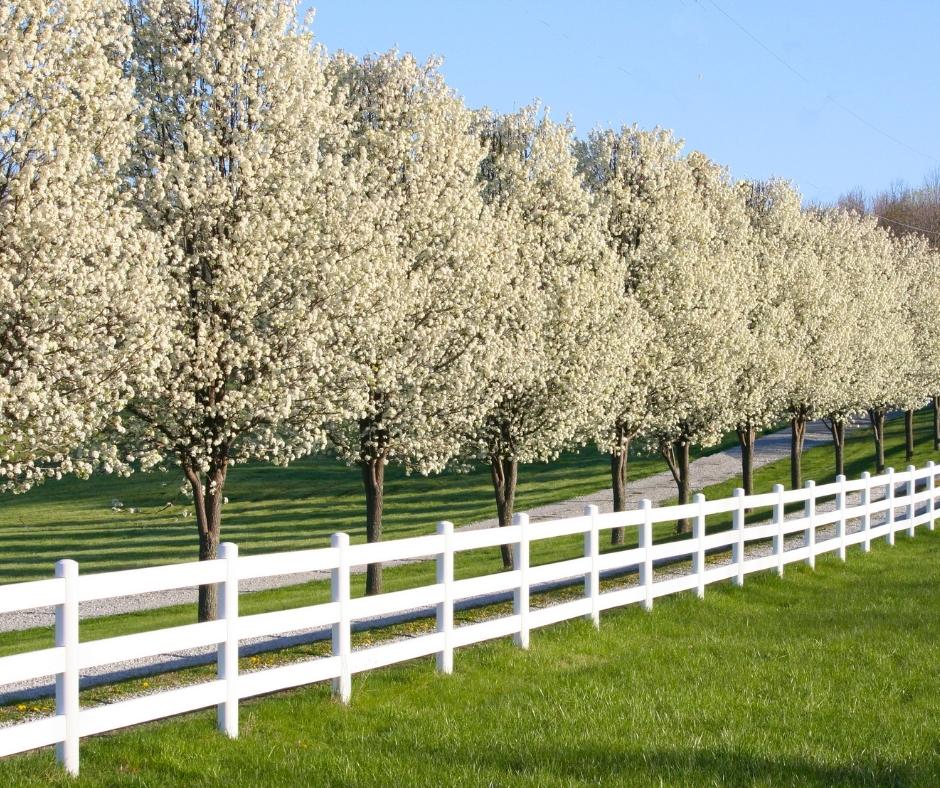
(831, 95)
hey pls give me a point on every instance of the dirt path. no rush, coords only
(661, 487)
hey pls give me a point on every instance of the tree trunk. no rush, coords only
(504, 473)
(877, 418)
(618, 477)
(676, 455)
(936, 422)
(837, 429)
(207, 501)
(208, 594)
(909, 434)
(373, 481)
(747, 436)
(797, 436)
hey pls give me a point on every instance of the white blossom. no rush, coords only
(79, 310)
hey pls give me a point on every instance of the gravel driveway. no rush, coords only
(659, 488)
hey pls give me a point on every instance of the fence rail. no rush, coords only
(914, 506)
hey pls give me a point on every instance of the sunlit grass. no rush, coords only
(825, 678)
(591, 474)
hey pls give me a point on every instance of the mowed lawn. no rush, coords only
(819, 678)
(270, 508)
(407, 511)
(274, 508)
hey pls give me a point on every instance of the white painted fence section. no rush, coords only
(69, 656)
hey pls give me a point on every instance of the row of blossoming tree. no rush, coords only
(218, 245)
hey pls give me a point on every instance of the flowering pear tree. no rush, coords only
(809, 301)
(552, 376)
(905, 356)
(419, 324)
(239, 171)
(869, 342)
(617, 168)
(764, 358)
(79, 327)
(839, 347)
(699, 316)
(919, 267)
(683, 230)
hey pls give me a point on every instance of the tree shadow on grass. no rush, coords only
(567, 764)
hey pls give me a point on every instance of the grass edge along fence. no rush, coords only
(916, 502)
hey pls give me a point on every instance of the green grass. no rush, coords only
(589, 474)
(819, 678)
(270, 508)
(819, 463)
(696, 693)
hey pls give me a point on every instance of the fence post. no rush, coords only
(698, 535)
(342, 629)
(911, 507)
(931, 503)
(737, 548)
(520, 597)
(592, 578)
(646, 542)
(809, 512)
(227, 653)
(866, 517)
(445, 608)
(66, 682)
(778, 520)
(840, 525)
(890, 536)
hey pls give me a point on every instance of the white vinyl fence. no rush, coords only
(914, 506)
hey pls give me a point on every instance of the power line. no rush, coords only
(886, 219)
(829, 97)
(761, 44)
(905, 224)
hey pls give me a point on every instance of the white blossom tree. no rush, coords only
(864, 346)
(239, 169)
(617, 168)
(79, 312)
(682, 228)
(809, 301)
(917, 265)
(697, 309)
(552, 376)
(764, 358)
(885, 340)
(420, 325)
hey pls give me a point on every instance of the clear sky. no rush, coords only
(831, 95)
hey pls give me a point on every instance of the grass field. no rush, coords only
(786, 683)
(819, 678)
(270, 508)
(586, 474)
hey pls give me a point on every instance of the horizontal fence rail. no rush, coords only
(907, 500)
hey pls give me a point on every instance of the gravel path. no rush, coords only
(663, 570)
(658, 488)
